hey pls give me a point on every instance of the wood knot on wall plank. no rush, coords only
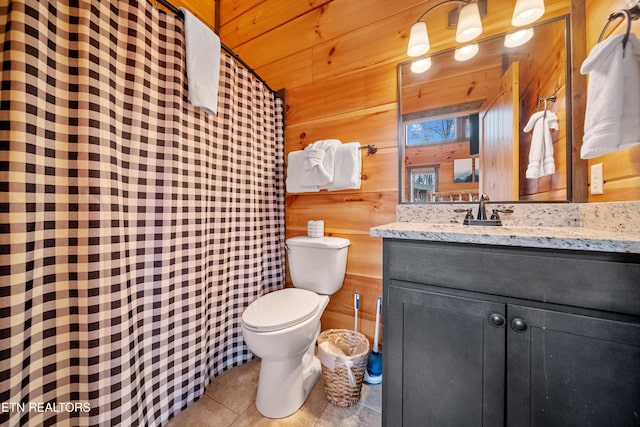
(331, 52)
(471, 88)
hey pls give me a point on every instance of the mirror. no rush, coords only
(463, 125)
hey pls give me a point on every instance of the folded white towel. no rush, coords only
(319, 162)
(613, 97)
(203, 62)
(296, 172)
(541, 162)
(348, 168)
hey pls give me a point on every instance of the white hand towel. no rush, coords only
(203, 62)
(537, 145)
(319, 162)
(348, 167)
(548, 163)
(613, 97)
(296, 172)
(541, 162)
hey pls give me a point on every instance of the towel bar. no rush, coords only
(371, 149)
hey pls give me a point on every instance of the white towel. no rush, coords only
(296, 172)
(319, 162)
(541, 161)
(613, 97)
(348, 167)
(203, 63)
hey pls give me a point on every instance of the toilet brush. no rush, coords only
(373, 374)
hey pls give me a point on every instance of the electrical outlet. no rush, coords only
(597, 179)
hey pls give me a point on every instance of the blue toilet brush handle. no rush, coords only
(356, 306)
(375, 336)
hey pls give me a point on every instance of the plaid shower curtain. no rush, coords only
(134, 227)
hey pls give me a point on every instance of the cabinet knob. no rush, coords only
(496, 320)
(518, 325)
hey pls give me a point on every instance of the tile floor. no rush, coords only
(229, 401)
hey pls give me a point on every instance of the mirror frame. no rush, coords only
(575, 84)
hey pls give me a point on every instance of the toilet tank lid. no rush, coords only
(327, 242)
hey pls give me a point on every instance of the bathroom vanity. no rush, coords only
(515, 326)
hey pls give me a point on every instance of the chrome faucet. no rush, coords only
(481, 218)
(482, 210)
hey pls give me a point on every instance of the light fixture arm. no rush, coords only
(469, 26)
(441, 4)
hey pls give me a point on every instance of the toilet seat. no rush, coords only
(280, 309)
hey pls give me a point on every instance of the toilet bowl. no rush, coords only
(282, 327)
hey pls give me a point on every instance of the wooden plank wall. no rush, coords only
(203, 10)
(443, 156)
(337, 60)
(621, 168)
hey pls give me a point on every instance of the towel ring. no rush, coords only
(540, 101)
(551, 98)
(619, 14)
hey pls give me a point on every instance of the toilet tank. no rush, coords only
(317, 264)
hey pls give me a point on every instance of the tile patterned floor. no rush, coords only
(229, 402)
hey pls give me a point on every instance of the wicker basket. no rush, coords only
(343, 355)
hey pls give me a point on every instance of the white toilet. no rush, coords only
(282, 327)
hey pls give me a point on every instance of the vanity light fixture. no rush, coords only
(469, 24)
(526, 12)
(469, 27)
(421, 65)
(518, 38)
(418, 40)
(467, 52)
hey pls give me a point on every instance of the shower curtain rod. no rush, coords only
(235, 56)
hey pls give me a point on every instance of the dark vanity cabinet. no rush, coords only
(572, 370)
(444, 360)
(479, 335)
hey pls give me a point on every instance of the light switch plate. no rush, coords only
(597, 179)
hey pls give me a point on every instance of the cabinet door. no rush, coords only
(444, 359)
(571, 370)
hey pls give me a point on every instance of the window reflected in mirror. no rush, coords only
(442, 130)
(451, 140)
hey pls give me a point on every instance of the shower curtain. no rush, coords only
(134, 227)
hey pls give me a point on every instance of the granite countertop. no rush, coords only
(575, 238)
